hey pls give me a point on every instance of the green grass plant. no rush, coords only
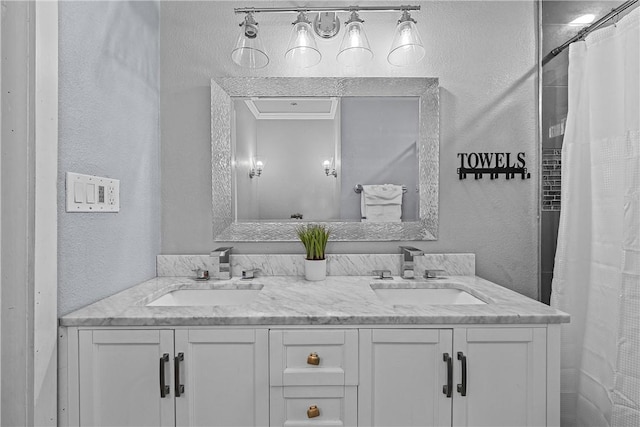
(314, 237)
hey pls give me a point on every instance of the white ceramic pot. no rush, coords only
(315, 270)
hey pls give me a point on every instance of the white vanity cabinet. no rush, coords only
(118, 378)
(506, 376)
(314, 377)
(225, 373)
(402, 373)
(459, 375)
(185, 377)
(485, 376)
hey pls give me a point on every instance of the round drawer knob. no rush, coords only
(313, 359)
(313, 411)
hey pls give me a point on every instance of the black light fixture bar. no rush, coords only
(325, 9)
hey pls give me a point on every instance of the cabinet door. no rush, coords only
(402, 374)
(120, 377)
(505, 377)
(225, 373)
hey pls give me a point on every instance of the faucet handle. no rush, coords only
(201, 274)
(249, 274)
(434, 274)
(382, 274)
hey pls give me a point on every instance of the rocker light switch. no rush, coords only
(91, 193)
(78, 192)
(88, 193)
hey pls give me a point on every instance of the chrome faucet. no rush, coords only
(224, 262)
(407, 267)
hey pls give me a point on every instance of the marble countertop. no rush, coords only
(290, 300)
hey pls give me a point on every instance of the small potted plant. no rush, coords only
(314, 237)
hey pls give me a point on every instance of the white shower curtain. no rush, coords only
(597, 267)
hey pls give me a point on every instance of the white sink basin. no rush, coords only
(193, 297)
(425, 296)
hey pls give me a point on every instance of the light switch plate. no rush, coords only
(88, 193)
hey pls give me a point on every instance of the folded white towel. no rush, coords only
(384, 213)
(381, 203)
(385, 194)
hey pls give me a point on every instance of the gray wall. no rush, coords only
(246, 201)
(108, 126)
(294, 151)
(379, 146)
(485, 54)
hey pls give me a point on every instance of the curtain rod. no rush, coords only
(325, 9)
(586, 30)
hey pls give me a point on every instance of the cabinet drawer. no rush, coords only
(334, 406)
(337, 357)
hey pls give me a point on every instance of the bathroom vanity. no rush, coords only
(277, 350)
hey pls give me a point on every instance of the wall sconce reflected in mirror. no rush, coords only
(256, 168)
(330, 168)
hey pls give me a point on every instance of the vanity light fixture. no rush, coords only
(407, 48)
(249, 50)
(257, 166)
(354, 49)
(329, 168)
(302, 50)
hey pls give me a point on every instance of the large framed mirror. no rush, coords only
(289, 150)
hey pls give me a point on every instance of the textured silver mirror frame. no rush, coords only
(224, 88)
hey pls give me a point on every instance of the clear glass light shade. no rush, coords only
(249, 52)
(407, 48)
(354, 49)
(302, 49)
